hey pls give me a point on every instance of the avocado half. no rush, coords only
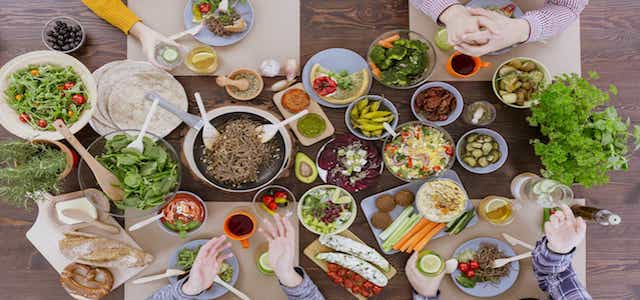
(306, 170)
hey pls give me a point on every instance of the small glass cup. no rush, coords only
(498, 210)
(547, 193)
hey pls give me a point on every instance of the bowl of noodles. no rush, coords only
(238, 162)
(477, 255)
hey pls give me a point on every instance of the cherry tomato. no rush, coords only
(68, 85)
(342, 272)
(470, 274)
(448, 150)
(474, 265)
(367, 285)
(24, 118)
(376, 290)
(280, 195)
(272, 206)
(365, 293)
(333, 267)
(357, 278)
(76, 159)
(78, 99)
(356, 289)
(347, 283)
(42, 123)
(34, 72)
(268, 199)
(463, 267)
(437, 168)
(350, 274)
(204, 8)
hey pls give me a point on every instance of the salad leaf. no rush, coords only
(465, 281)
(584, 139)
(401, 64)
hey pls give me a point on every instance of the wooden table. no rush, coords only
(610, 43)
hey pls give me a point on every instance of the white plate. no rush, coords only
(368, 206)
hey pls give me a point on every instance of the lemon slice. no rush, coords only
(430, 263)
(495, 204)
(442, 40)
(197, 16)
(202, 56)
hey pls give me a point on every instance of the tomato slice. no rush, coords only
(324, 85)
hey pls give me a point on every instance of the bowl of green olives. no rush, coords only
(482, 151)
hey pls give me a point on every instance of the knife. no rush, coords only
(514, 241)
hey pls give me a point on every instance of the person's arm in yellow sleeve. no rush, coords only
(120, 16)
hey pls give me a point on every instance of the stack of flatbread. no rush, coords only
(122, 86)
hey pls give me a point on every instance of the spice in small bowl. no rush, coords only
(255, 84)
(63, 34)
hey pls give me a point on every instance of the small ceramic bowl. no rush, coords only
(69, 21)
(457, 111)
(70, 156)
(232, 90)
(502, 144)
(388, 105)
(191, 232)
(494, 81)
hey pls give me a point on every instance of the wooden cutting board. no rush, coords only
(313, 108)
(47, 230)
(314, 248)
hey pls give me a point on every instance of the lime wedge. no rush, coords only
(430, 263)
(263, 264)
(442, 40)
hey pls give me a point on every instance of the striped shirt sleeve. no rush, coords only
(433, 8)
(553, 18)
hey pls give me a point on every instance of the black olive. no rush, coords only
(66, 48)
(56, 47)
(59, 23)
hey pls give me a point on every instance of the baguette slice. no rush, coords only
(360, 250)
(363, 268)
(101, 252)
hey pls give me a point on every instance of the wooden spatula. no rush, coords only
(108, 182)
(81, 215)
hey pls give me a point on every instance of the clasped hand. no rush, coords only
(478, 31)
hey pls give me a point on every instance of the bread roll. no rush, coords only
(102, 252)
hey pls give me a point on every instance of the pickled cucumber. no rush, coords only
(480, 151)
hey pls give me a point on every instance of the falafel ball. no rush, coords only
(404, 198)
(381, 220)
(385, 203)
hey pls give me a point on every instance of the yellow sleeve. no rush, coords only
(114, 12)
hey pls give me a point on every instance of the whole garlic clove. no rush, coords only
(270, 68)
(281, 85)
(291, 69)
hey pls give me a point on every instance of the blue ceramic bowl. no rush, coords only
(385, 103)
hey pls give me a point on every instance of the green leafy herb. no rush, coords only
(27, 169)
(465, 281)
(343, 79)
(186, 258)
(584, 139)
(182, 228)
(145, 177)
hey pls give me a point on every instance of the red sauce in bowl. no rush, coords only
(184, 207)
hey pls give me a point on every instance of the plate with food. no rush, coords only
(336, 77)
(41, 86)
(150, 179)
(504, 7)
(274, 199)
(238, 161)
(183, 259)
(350, 263)
(313, 127)
(475, 276)
(418, 151)
(482, 151)
(518, 79)
(226, 22)
(399, 206)
(327, 209)
(183, 215)
(349, 162)
(365, 117)
(401, 59)
(437, 103)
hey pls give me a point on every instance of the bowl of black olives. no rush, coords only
(63, 34)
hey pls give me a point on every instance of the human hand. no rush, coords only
(424, 285)
(282, 245)
(511, 32)
(459, 22)
(149, 39)
(205, 267)
(564, 231)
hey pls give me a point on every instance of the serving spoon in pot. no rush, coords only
(268, 131)
(209, 133)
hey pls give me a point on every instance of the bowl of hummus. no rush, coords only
(441, 200)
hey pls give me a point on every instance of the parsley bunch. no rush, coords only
(584, 139)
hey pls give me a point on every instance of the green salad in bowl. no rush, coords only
(327, 209)
(401, 59)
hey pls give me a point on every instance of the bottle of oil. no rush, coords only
(600, 216)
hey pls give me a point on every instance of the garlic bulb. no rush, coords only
(291, 69)
(270, 68)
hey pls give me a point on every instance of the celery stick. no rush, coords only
(401, 218)
(398, 234)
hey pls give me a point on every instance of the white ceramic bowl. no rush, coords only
(494, 83)
(354, 209)
(388, 105)
(454, 115)
(9, 117)
(504, 151)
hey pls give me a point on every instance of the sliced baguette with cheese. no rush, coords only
(360, 250)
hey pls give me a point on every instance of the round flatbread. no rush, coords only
(100, 115)
(127, 106)
(112, 75)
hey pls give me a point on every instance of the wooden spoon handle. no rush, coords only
(82, 151)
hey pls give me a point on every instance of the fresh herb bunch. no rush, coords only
(182, 228)
(343, 79)
(186, 257)
(27, 169)
(584, 139)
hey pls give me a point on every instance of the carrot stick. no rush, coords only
(388, 42)
(423, 222)
(376, 71)
(427, 238)
(418, 237)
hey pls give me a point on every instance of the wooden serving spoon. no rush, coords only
(81, 215)
(108, 182)
(241, 84)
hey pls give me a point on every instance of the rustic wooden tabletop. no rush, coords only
(610, 43)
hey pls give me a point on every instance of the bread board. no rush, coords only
(47, 230)
(314, 248)
(314, 107)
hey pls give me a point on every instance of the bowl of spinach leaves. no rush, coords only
(149, 179)
(401, 59)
